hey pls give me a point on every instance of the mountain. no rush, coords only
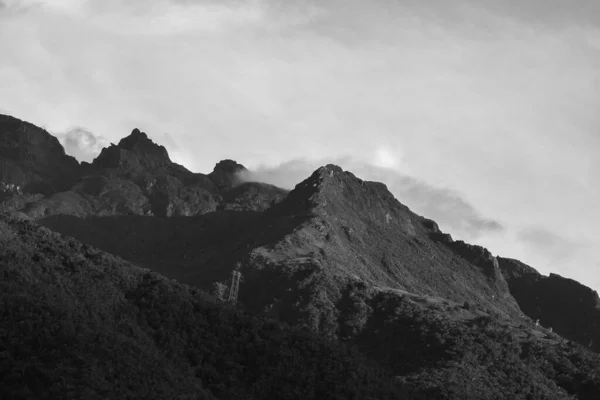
(134, 177)
(337, 257)
(333, 229)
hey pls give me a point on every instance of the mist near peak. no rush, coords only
(451, 210)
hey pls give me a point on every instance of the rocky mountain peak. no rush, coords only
(32, 158)
(229, 166)
(225, 174)
(332, 191)
(133, 154)
(139, 142)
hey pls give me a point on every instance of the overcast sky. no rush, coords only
(480, 114)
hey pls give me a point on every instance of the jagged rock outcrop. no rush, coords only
(568, 307)
(435, 233)
(225, 175)
(134, 177)
(137, 156)
(33, 159)
(482, 258)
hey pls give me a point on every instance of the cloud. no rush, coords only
(550, 244)
(447, 207)
(82, 144)
(172, 17)
(176, 18)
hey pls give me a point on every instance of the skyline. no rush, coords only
(480, 115)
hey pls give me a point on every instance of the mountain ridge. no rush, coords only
(134, 177)
(330, 230)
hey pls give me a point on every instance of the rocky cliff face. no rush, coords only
(568, 307)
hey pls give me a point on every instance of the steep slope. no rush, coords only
(570, 308)
(358, 229)
(134, 177)
(33, 159)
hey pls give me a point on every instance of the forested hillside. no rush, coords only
(79, 323)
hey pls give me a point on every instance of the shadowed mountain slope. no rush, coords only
(296, 257)
(33, 159)
(570, 308)
(134, 177)
(80, 323)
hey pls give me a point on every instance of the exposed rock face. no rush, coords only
(33, 159)
(570, 308)
(482, 258)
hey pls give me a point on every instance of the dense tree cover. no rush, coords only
(482, 357)
(79, 323)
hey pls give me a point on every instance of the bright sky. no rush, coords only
(481, 114)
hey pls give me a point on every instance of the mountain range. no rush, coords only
(337, 261)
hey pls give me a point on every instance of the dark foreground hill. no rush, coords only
(78, 323)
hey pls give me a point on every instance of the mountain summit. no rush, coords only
(33, 159)
(136, 154)
(226, 174)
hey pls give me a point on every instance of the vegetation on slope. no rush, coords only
(79, 323)
(330, 227)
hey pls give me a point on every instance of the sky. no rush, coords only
(482, 115)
